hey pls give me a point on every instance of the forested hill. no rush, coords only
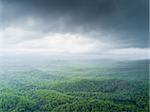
(72, 86)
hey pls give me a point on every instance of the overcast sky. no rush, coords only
(116, 28)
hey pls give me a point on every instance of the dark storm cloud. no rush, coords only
(127, 19)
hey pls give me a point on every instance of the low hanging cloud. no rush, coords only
(20, 39)
(14, 35)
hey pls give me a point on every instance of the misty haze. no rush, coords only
(74, 56)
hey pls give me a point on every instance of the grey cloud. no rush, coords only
(126, 20)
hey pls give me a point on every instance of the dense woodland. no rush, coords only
(65, 86)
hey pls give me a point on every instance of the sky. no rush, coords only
(103, 28)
